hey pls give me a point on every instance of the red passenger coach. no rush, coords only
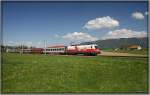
(37, 50)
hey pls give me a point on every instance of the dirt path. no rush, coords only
(120, 54)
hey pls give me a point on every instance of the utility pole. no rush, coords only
(45, 46)
(22, 48)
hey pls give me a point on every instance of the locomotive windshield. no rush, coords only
(96, 47)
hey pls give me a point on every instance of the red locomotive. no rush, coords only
(83, 49)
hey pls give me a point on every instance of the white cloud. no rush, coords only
(80, 36)
(124, 33)
(14, 43)
(138, 15)
(26, 43)
(39, 44)
(56, 35)
(11, 43)
(29, 44)
(146, 13)
(34, 44)
(102, 22)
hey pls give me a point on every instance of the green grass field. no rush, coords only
(73, 74)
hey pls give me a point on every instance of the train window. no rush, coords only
(96, 47)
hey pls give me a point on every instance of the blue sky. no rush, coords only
(63, 22)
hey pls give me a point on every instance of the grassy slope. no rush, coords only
(44, 73)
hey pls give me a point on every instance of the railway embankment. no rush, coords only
(115, 54)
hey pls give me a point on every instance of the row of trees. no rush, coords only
(4, 48)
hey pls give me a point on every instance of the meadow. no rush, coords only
(33, 73)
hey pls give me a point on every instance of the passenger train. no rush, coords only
(72, 49)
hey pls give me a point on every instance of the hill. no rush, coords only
(117, 43)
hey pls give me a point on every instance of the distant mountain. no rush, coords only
(117, 43)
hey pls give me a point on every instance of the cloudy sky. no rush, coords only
(31, 23)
